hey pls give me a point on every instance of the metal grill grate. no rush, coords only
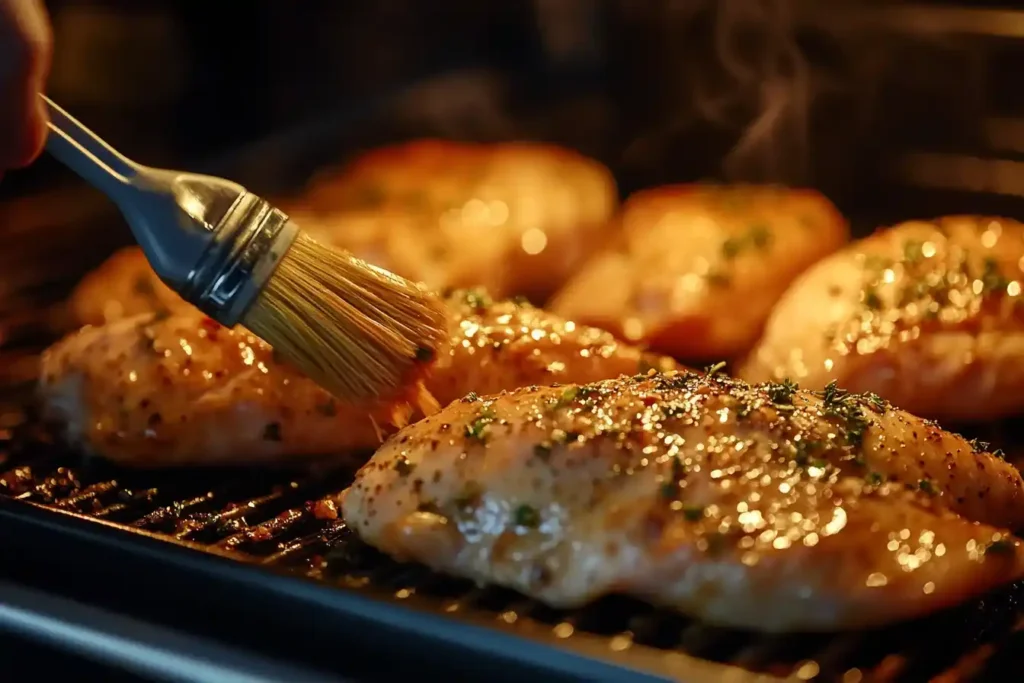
(288, 521)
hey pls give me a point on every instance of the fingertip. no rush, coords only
(30, 143)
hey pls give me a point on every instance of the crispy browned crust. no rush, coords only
(418, 186)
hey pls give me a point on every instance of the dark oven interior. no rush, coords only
(925, 122)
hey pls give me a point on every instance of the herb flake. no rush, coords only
(526, 516)
(477, 429)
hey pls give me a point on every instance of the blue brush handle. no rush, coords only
(86, 154)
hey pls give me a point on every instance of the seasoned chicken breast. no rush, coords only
(928, 314)
(516, 218)
(760, 507)
(167, 390)
(699, 267)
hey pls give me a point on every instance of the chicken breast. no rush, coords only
(928, 314)
(515, 218)
(760, 507)
(159, 390)
(699, 267)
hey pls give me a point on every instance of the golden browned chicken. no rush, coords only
(762, 507)
(169, 390)
(699, 267)
(515, 218)
(928, 314)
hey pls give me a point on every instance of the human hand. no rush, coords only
(26, 43)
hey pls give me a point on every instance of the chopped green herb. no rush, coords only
(526, 516)
(998, 453)
(802, 452)
(876, 401)
(478, 299)
(819, 463)
(874, 478)
(712, 370)
(669, 490)
(926, 486)
(781, 393)
(477, 429)
(979, 445)
(842, 405)
(568, 395)
(991, 279)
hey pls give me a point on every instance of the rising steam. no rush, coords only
(756, 69)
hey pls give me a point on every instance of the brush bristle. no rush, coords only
(357, 330)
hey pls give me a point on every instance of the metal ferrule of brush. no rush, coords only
(246, 247)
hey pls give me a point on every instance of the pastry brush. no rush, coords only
(355, 329)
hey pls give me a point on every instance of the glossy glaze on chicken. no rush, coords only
(163, 389)
(764, 507)
(699, 267)
(513, 217)
(928, 314)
